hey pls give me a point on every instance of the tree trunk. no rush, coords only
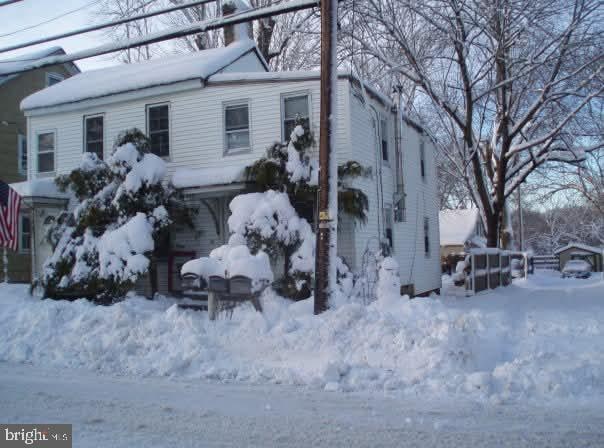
(153, 275)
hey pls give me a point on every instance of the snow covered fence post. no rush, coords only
(326, 252)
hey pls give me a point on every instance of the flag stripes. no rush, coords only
(10, 205)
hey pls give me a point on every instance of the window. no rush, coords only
(53, 78)
(427, 237)
(384, 136)
(422, 159)
(388, 224)
(295, 110)
(46, 152)
(24, 233)
(93, 135)
(22, 154)
(237, 127)
(158, 128)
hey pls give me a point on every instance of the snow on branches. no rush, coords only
(103, 246)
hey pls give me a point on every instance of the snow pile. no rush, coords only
(24, 60)
(122, 251)
(513, 344)
(300, 168)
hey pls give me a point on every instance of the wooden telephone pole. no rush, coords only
(327, 232)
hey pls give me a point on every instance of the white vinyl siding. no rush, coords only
(53, 78)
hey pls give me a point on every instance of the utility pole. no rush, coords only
(326, 251)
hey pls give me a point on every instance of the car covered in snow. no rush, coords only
(576, 269)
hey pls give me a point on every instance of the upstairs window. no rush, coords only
(237, 127)
(384, 137)
(426, 237)
(24, 233)
(22, 154)
(158, 129)
(46, 152)
(93, 135)
(422, 158)
(295, 110)
(53, 78)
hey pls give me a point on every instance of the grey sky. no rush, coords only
(30, 12)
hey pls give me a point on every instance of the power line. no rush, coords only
(60, 16)
(104, 25)
(186, 30)
(8, 2)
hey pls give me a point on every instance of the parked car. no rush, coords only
(576, 269)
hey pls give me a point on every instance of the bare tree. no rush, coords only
(509, 82)
(287, 42)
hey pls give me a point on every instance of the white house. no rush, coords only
(211, 113)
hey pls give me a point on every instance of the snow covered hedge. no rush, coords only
(103, 246)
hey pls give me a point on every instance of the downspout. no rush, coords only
(378, 158)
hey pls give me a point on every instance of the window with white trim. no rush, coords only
(46, 152)
(22, 154)
(237, 127)
(53, 78)
(158, 129)
(93, 135)
(426, 236)
(24, 233)
(295, 109)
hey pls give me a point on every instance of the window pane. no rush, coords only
(238, 139)
(46, 142)
(46, 162)
(236, 117)
(160, 143)
(159, 133)
(25, 224)
(94, 135)
(295, 106)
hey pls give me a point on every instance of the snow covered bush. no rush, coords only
(103, 246)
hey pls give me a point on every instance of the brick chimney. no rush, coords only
(240, 31)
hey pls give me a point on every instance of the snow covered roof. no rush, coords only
(585, 247)
(23, 60)
(457, 226)
(128, 77)
(42, 188)
(205, 177)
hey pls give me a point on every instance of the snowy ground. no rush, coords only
(520, 366)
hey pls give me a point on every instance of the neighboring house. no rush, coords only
(578, 251)
(460, 230)
(13, 139)
(211, 113)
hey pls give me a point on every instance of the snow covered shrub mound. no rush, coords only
(488, 350)
(103, 246)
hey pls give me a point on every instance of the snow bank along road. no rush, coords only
(110, 411)
(524, 361)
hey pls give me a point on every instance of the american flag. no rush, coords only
(10, 204)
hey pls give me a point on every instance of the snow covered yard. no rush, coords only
(536, 346)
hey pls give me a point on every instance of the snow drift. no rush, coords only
(494, 348)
